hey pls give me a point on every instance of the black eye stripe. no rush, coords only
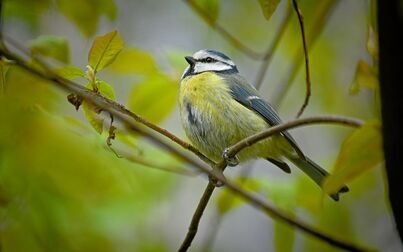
(207, 60)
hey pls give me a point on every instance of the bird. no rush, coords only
(218, 108)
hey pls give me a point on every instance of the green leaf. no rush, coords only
(133, 60)
(154, 98)
(91, 112)
(104, 50)
(51, 46)
(93, 117)
(212, 7)
(268, 7)
(70, 72)
(365, 76)
(360, 152)
(85, 14)
(105, 89)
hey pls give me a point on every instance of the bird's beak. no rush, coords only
(190, 60)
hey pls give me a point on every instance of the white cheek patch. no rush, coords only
(217, 66)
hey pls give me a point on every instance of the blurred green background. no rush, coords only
(63, 189)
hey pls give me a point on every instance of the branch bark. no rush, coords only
(328, 119)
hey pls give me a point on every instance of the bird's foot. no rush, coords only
(231, 161)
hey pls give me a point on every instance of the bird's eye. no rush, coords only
(209, 60)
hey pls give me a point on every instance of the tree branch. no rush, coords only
(223, 32)
(114, 108)
(194, 224)
(126, 117)
(233, 150)
(328, 119)
(307, 75)
(152, 165)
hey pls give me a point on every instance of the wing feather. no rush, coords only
(249, 97)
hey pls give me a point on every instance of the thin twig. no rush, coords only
(307, 74)
(223, 32)
(268, 56)
(217, 218)
(324, 10)
(327, 119)
(122, 115)
(152, 165)
(194, 224)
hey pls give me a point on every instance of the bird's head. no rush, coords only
(209, 60)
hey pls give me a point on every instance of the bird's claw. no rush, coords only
(231, 161)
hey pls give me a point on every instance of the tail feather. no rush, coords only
(316, 173)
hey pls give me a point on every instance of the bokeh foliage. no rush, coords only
(63, 189)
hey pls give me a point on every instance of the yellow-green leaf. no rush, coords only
(51, 46)
(268, 7)
(212, 7)
(361, 151)
(93, 117)
(365, 76)
(91, 112)
(154, 98)
(106, 90)
(133, 60)
(70, 72)
(104, 50)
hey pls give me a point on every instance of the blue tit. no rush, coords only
(218, 108)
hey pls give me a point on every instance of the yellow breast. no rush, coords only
(213, 120)
(198, 89)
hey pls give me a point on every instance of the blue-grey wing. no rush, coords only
(249, 97)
